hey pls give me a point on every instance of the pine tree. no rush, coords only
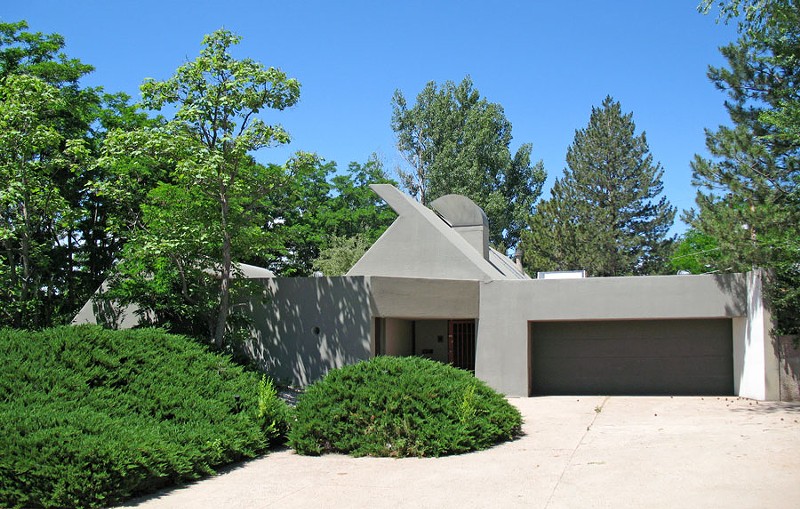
(748, 199)
(604, 214)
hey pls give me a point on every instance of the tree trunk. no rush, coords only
(225, 271)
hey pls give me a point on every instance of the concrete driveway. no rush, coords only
(577, 452)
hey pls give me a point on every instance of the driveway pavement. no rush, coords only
(577, 452)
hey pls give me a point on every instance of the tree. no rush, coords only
(457, 142)
(294, 213)
(747, 198)
(47, 150)
(205, 211)
(604, 214)
(33, 211)
(341, 254)
(355, 210)
(74, 246)
(39, 55)
(318, 209)
(695, 253)
(354, 218)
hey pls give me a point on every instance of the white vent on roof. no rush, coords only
(561, 274)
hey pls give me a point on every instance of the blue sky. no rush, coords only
(546, 62)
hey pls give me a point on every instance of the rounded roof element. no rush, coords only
(459, 210)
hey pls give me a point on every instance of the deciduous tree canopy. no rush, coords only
(456, 142)
(205, 209)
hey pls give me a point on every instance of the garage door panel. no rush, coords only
(634, 346)
(632, 357)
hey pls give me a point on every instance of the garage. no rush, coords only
(632, 357)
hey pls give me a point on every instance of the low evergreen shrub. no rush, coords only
(90, 417)
(401, 406)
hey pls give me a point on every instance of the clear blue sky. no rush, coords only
(546, 62)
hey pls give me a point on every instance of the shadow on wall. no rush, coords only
(789, 368)
(734, 285)
(784, 353)
(109, 313)
(304, 327)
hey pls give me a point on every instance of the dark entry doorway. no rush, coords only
(461, 344)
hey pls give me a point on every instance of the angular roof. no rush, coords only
(422, 244)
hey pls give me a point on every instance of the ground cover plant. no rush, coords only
(90, 417)
(401, 406)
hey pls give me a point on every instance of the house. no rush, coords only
(432, 286)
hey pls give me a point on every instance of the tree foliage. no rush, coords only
(455, 141)
(319, 208)
(341, 254)
(33, 211)
(747, 198)
(204, 210)
(94, 182)
(294, 213)
(354, 208)
(53, 131)
(51, 238)
(604, 214)
(695, 253)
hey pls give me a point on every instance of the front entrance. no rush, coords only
(461, 344)
(426, 338)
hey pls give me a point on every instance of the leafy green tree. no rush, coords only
(355, 210)
(454, 141)
(341, 254)
(77, 248)
(33, 211)
(604, 214)
(295, 213)
(206, 212)
(695, 253)
(318, 208)
(39, 55)
(67, 113)
(747, 198)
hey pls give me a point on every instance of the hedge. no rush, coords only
(401, 406)
(90, 417)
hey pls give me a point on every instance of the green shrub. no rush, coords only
(401, 406)
(90, 417)
(273, 413)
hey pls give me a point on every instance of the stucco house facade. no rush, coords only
(432, 286)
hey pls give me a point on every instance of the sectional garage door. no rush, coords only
(636, 357)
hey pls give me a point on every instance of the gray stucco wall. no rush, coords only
(397, 337)
(308, 326)
(430, 338)
(418, 298)
(108, 314)
(506, 308)
(789, 356)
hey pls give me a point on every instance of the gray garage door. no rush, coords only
(680, 357)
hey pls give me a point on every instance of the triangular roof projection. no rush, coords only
(422, 244)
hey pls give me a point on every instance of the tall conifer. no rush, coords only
(604, 214)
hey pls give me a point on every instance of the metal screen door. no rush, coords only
(461, 344)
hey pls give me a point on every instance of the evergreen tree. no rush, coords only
(747, 198)
(604, 214)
